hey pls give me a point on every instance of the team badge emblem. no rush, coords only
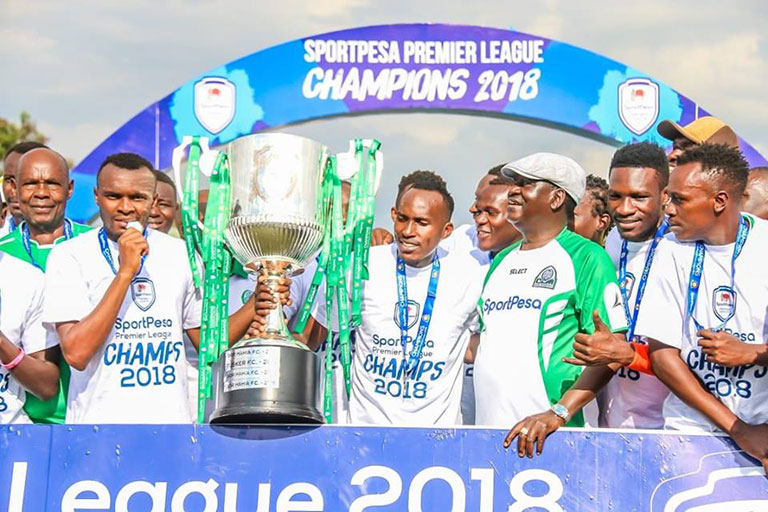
(724, 302)
(246, 295)
(143, 293)
(638, 104)
(547, 278)
(214, 103)
(414, 310)
(629, 283)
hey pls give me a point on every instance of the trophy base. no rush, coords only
(267, 381)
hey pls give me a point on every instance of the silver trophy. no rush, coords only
(275, 227)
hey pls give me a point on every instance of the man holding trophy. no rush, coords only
(418, 301)
(119, 300)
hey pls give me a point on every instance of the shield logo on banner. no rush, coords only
(724, 302)
(414, 309)
(638, 104)
(214, 103)
(143, 293)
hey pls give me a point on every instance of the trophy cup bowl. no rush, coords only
(276, 184)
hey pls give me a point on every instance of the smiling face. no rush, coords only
(635, 201)
(421, 219)
(530, 201)
(165, 209)
(489, 211)
(43, 188)
(123, 196)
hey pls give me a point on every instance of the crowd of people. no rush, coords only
(636, 302)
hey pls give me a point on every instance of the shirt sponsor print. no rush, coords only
(145, 351)
(388, 364)
(512, 302)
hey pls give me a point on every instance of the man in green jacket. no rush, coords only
(43, 187)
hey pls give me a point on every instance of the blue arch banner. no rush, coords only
(265, 469)
(402, 68)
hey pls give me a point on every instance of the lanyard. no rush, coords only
(697, 267)
(632, 318)
(426, 317)
(25, 239)
(11, 224)
(107, 253)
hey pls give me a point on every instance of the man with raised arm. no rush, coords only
(119, 299)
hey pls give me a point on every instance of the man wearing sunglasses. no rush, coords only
(538, 294)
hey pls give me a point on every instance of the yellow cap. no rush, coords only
(704, 129)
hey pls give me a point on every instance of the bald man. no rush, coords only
(755, 198)
(13, 218)
(42, 187)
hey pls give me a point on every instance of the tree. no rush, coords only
(12, 133)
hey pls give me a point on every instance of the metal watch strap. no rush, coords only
(562, 412)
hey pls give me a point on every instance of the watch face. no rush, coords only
(561, 411)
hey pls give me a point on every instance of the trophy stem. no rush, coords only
(276, 328)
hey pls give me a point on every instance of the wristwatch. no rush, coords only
(562, 412)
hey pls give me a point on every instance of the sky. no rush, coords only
(83, 68)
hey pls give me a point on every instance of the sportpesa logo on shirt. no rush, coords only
(512, 302)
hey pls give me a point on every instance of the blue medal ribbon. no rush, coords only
(107, 253)
(697, 268)
(632, 317)
(26, 239)
(11, 224)
(426, 317)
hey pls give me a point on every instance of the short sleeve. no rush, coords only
(662, 311)
(34, 336)
(66, 292)
(598, 290)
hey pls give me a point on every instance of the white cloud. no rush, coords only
(83, 68)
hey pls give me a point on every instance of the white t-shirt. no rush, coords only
(534, 302)
(663, 317)
(21, 308)
(380, 394)
(464, 238)
(632, 399)
(139, 375)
